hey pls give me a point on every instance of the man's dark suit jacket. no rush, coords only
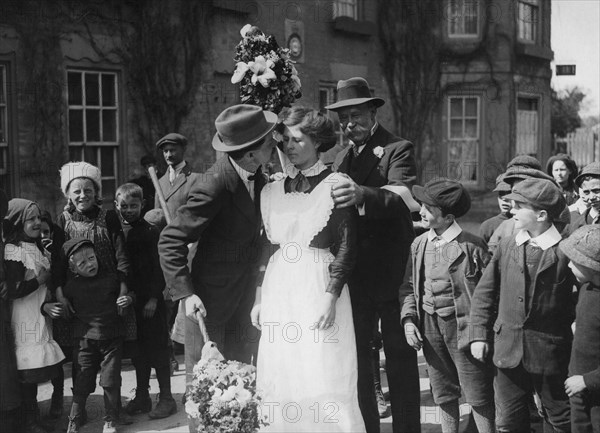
(385, 232)
(176, 195)
(221, 216)
(534, 329)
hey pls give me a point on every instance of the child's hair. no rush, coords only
(129, 190)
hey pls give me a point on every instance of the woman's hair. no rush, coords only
(571, 165)
(70, 207)
(315, 124)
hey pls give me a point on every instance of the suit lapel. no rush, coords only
(367, 159)
(240, 195)
(344, 161)
(179, 180)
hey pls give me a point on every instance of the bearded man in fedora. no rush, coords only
(380, 170)
(222, 213)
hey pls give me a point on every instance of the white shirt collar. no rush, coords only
(546, 240)
(593, 212)
(241, 172)
(449, 234)
(314, 170)
(177, 169)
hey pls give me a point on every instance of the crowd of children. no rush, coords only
(493, 313)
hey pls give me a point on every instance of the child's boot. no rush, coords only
(78, 416)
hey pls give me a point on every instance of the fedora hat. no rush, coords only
(354, 91)
(241, 126)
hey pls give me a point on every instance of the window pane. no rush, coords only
(74, 88)
(456, 107)
(108, 192)
(92, 89)
(108, 90)
(456, 128)
(108, 161)
(75, 125)
(92, 120)
(470, 107)
(2, 126)
(471, 128)
(90, 154)
(109, 125)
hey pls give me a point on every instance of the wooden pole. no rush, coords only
(159, 192)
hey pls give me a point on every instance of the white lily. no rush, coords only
(245, 30)
(240, 71)
(262, 71)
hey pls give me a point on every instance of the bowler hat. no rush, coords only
(172, 138)
(354, 91)
(72, 245)
(582, 247)
(449, 195)
(241, 126)
(540, 193)
(592, 169)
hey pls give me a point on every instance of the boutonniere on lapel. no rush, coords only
(379, 151)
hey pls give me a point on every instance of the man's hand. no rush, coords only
(412, 334)
(325, 312)
(479, 350)
(574, 385)
(346, 192)
(193, 304)
(255, 316)
(150, 308)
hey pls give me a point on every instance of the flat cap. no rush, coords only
(539, 193)
(593, 169)
(583, 246)
(72, 245)
(449, 195)
(173, 138)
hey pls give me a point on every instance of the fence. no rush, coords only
(582, 145)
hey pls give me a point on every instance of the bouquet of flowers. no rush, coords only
(223, 398)
(265, 72)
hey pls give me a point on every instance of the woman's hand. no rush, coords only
(67, 307)
(255, 316)
(325, 312)
(150, 308)
(53, 309)
(43, 277)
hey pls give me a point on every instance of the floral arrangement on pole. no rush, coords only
(223, 396)
(265, 72)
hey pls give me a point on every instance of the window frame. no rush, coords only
(83, 147)
(342, 5)
(533, 23)
(462, 17)
(477, 138)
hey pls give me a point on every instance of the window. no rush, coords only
(463, 18)
(328, 96)
(345, 8)
(527, 19)
(4, 175)
(463, 138)
(527, 126)
(94, 122)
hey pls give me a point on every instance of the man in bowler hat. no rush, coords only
(380, 170)
(222, 213)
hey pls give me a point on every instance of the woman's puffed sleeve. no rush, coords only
(342, 229)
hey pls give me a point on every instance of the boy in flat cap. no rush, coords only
(583, 386)
(99, 331)
(491, 224)
(524, 306)
(588, 183)
(447, 263)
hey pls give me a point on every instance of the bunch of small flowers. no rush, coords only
(223, 398)
(265, 72)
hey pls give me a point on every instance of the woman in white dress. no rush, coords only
(306, 366)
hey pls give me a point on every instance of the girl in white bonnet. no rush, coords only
(81, 183)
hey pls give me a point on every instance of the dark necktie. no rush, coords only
(300, 183)
(259, 182)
